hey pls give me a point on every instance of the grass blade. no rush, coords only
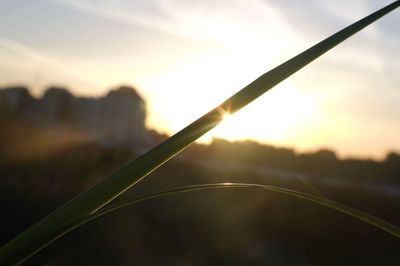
(28, 242)
(358, 214)
(355, 213)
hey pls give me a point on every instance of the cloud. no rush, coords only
(219, 22)
(143, 13)
(43, 61)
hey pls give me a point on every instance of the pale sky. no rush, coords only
(185, 57)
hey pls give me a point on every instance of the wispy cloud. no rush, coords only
(222, 22)
(44, 61)
(128, 12)
(284, 25)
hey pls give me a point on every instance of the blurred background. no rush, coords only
(86, 86)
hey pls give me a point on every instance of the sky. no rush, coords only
(186, 57)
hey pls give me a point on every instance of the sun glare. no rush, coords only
(275, 117)
(199, 81)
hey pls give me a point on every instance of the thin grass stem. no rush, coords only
(355, 213)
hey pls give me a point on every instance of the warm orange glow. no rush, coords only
(185, 59)
(275, 117)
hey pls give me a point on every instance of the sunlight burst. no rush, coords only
(276, 117)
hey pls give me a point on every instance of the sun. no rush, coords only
(274, 117)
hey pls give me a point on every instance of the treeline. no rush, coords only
(322, 163)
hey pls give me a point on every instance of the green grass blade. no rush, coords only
(358, 214)
(363, 216)
(94, 198)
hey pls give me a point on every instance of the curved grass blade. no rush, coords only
(355, 213)
(96, 197)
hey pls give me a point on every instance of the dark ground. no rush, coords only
(219, 227)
